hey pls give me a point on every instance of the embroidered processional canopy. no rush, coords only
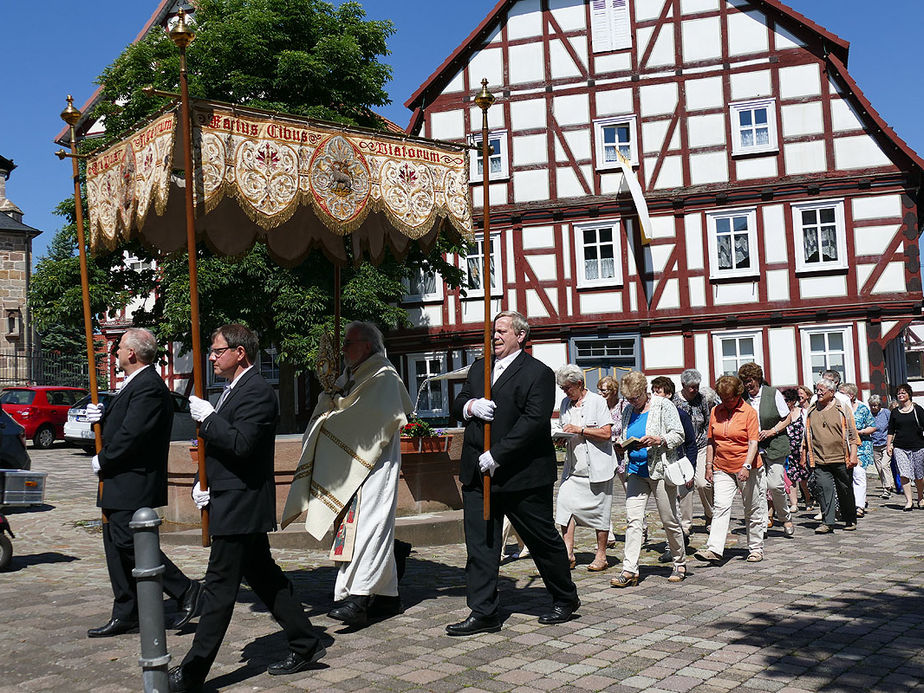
(294, 183)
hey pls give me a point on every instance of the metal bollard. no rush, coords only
(148, 574)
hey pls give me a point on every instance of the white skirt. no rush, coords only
(590, 504)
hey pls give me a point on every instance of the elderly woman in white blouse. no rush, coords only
(585, 495)
(654, 426)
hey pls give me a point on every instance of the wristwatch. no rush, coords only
(746, 466)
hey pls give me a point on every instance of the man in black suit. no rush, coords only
(523, 468)
(240, 437)
(132, 465)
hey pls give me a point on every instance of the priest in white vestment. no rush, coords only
(348, 475)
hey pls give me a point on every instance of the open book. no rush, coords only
(630, 443)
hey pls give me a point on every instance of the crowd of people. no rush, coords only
(777, 447)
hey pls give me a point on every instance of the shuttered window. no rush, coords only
(610, 28)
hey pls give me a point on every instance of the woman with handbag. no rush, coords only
(651, 432)
(906, 444)
(732, 464)
(585, 495)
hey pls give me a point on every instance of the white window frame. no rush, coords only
(496, 285)
(717, 351)
(753, 248)
(414, 385)
(600, 125)
(803, 265)
(503, 155)
(435, 296)
(735, 110)
(579, 247)
(611, 28)
(805, 339)
(272, 373)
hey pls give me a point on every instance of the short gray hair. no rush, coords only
(875, 399)
(850, 389)
(517, 321)
(369, 332)
(143, 342)
(569, 374)
(690, 376)
(832, 375)
(827, 383)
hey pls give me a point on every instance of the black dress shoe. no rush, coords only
(189, 605)
(116, 626)
(383, 606)
(474, 624)
(354, 611)
(402, 551)
(560, 613)
(294, 662)
(177, 683)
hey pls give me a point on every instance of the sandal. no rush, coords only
(598, 567)
(572, 563)
(755, 557)
(624, 580)
(678, 575)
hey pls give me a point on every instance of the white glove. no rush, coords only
(487, 463)
(200, 498)
(199, 409)
(94, 412)
(94, 463)
(483, 409)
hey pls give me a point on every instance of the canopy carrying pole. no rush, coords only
(71, 116)
(182, 36)
(484, 101)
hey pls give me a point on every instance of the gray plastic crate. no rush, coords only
(22, 488)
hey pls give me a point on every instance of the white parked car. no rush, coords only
(77, 430)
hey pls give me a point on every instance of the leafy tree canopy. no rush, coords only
(300, 56)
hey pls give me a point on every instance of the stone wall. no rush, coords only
(14, 275)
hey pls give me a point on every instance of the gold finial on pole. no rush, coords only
(70, 115)
(181, 33)
(484, 101)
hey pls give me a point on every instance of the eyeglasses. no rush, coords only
(348, 342)
(218, 351)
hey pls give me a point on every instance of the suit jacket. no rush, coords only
(521, 433)
(136, 441)
(240, 440)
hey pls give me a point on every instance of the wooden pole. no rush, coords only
(71, 116)
(182, 36)
(484, 100)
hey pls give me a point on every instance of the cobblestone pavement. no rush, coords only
(837, 612)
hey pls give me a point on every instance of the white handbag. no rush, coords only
(680, 472)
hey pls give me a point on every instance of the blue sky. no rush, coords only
(64, 50)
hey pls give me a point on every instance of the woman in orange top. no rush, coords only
(732, 463)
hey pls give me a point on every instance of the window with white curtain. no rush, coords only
(827, 348)
(612, 136)
(431, 396)
(598, 251)
(733, 243)
(497, 158)
(731, 350)
(422, 286)
(754, 126)
(820, 235)
(474, 266)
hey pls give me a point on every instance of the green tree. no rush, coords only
(300, 56)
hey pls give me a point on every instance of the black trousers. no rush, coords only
(836, 478)
(119, 547)
(232, 558)
(530, 513)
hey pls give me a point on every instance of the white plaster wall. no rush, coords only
(534, 307)
(733, 293)
(569, 14)
(804, 157)
(527, 115)
(487, 64)
(774, 234)
(702, 350)
(671, 175)
(530, 185)
(495, 117)
(530, 149)
(456, 84)
(579, 143)
(710, 167)
(552, 354)
(658, 99)
(693, 238)
(873, 240)
(706, 130)
(562, 64)
(568, 183)
(599, 302)
(429, 316)
(843, 116)
(876, 207)
(538, 237)
(757, 167)
(571, 110)
(750, 85)
(858, 152)
(653, 134)
(782, 343)
(697, 288)
(670, 297)
(802, 119)
(663, 51)
(659, 255)
(498, 194)
(614, 102)
(892, 279)
(649, 9)
(800, 80)
(777, 285)
(696, 6)
(662, 227)
(747, 33)
(527, 63)
(823, 287)
(543, 266)
(864, 354)
(611, 183)
(524, 20)
(447, 125)
(613, 62)
(786, 40)
(703, 93)
(701, 39)
(662, 352)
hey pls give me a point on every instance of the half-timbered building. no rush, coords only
(785, 213)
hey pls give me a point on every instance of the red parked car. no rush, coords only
(41, 410)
